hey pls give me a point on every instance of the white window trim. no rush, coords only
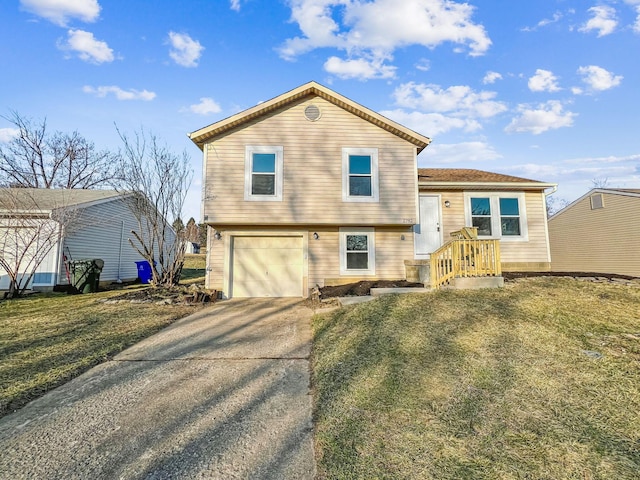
(248, 167)
(371, 243)
(494, 201)
(375, 194)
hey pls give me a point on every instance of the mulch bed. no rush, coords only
(363, 288)
(191, 295)
(608, 276)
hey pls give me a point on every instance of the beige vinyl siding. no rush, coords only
(516, 255)
(391, 252)
(323, 254)
(605, 240)
(215, 261)
(105, 227)
(312, 181)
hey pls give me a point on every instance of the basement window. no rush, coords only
(357, 251)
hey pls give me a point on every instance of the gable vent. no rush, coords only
(312, 113)
(597, 201)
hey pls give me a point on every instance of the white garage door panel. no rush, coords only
(267, 267)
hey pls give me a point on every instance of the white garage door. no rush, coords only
(267, 267)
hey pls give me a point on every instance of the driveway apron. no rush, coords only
(223, 393)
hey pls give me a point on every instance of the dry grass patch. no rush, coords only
(494, 384)
(47, 339)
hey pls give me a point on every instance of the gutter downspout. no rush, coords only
(554, 189)
(119, 280)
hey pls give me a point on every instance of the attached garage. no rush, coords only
(267, 266)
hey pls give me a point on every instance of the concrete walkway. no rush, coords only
(221, 394)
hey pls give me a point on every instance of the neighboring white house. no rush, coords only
(101, 228)
(191, 247)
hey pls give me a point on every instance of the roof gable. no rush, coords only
(626, 192)
(311, 89)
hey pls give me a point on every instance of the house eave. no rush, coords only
(311, 89)
(484, 185)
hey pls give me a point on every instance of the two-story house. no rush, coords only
(310, 188)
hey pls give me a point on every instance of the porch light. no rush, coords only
(316, 236)
(447, 203)
(217, 236)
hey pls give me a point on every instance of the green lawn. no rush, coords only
(194, 268)
(47, 339)
(492, 384)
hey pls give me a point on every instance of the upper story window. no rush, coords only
(263, 173)
(360, 175)
(497, 215)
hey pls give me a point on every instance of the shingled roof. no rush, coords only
(48, 199)
(471, 178)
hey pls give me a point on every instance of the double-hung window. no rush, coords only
(357, 251)
(263, 173)
(360, 175)
(497, 215)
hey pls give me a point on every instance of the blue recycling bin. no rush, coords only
(144, 271)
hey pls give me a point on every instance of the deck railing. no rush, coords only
(465, 258)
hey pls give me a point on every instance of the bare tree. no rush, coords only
(555, 204)
(35, 158)
(157, 181)
(600, 182)
(29, 229)
(192, 232)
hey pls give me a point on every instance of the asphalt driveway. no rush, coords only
(223, 393)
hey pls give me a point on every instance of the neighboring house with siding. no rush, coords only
(100, 228)
(310, 188)
(599, 232)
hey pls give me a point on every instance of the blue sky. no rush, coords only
(547, 90)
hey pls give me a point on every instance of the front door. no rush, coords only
(428, 235)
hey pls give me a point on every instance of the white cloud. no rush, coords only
(206, 106)
(87, 47)
(119, 93)
(603, 20)
(442, 154)
(424, 65)
(543, 81)
(360, 68)
(235, 5)
(636, 5)
(375, 29)
(536, 120)
(461, 100)
(574, 176)
(61, 11)
(597, 79)
(491, 77)
(544, 22)
(8, 134)
(431, 124)
(185, 51)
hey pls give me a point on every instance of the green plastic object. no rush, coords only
(85, 275)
